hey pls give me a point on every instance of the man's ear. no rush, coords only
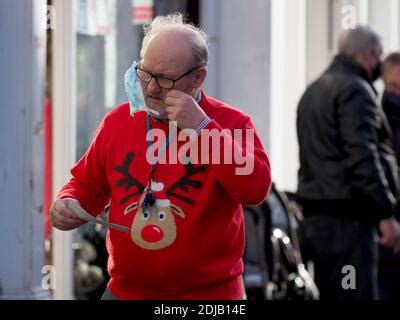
(200, 77)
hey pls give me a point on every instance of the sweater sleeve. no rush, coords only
(89, 183)
(243, 168)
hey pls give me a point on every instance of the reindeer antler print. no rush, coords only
(185, 182)
(128, 181)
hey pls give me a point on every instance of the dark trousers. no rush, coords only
(389, 274)
(340, 249)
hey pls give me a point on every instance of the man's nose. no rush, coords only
(153, 86)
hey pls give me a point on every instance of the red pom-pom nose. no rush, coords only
(152, 233)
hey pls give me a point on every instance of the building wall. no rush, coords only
(239, 68)
(22, 56)
(288, 81)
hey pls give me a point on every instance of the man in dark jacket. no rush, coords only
(389, 263)
(348, 171)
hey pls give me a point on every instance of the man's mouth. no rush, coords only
(155, 98)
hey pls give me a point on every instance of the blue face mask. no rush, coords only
(134, 91)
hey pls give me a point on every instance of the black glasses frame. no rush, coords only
(158, 77)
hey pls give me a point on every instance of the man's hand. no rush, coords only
(62, 217)
(183, 109)
(390, 233)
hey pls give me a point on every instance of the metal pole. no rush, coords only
(64, 133)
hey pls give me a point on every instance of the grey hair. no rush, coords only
(357, 40)
(177, 22)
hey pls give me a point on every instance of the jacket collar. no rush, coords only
(347, 64)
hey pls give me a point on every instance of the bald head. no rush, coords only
(170, 47)
(172, 34)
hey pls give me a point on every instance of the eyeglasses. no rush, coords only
(163, 82)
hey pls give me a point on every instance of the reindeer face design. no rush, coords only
(154, 226)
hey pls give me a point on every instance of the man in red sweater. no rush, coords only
(182, 234)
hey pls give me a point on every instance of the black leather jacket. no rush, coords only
(347, 162)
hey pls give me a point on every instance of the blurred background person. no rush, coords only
(348, 171)
(389, 263)
(391, 96)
